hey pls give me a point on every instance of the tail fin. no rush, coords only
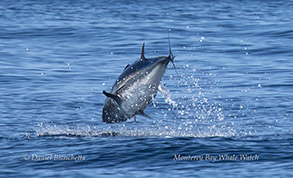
(171, 55)
(170, 51)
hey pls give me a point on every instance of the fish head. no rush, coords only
(112, 112)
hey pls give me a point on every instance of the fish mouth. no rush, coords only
(112, 112)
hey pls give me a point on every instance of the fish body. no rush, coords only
(135, 88)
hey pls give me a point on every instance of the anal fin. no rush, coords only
(141, 112)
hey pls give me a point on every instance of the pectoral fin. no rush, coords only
(143, 114)
(114, 97)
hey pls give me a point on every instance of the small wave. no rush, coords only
(128, 130)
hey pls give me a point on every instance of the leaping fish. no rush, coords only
(135, 88)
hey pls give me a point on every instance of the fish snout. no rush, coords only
(112, 112)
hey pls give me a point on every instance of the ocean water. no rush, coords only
(228, 112)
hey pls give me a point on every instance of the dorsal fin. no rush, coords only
(142, 53)
(126, 66)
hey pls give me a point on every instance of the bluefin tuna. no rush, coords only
(135, 88)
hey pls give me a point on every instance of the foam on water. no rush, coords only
(124, 130)
(190, 111)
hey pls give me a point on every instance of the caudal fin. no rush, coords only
(171, 55)
(170, 51)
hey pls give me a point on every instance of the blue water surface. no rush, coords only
(228, 112)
